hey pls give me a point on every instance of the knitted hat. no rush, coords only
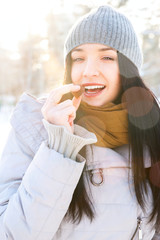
(107, 26)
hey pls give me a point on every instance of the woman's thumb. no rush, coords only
(76, 101)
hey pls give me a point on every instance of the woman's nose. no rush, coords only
(90, 69)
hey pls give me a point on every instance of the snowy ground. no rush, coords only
(5, 127)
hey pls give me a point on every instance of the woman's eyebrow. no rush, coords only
(77, 50)
(106, 49)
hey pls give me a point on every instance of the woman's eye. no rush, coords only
(108, 58)
(77, 59)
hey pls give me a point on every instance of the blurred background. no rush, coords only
(32, 34)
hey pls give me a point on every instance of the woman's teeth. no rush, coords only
(93, 87)
(93, 90)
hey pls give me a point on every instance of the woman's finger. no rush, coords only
(59, 107)
(56, 95)
(60, 116)
(76, 101)
(65, 104)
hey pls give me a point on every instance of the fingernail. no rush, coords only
(71, 124)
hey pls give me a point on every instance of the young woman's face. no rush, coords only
(95, 66)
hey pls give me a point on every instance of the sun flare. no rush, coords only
(20, 18)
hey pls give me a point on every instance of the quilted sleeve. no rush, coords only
(35, 191)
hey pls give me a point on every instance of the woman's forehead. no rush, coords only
(93, 46)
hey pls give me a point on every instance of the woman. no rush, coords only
(86, 167)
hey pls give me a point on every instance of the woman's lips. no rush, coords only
(93, 93)
(93, 90)
(90, 90)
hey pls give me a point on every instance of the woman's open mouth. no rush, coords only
(92, 90)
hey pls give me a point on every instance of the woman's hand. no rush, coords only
(61, 113)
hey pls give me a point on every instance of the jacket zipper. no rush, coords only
(138, 228)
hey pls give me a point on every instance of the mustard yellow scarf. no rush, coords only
(109, 123)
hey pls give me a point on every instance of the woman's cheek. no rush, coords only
(75, 75)
(73, 78)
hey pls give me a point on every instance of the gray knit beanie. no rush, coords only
(107, 26)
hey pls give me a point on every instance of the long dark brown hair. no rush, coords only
(144, 136)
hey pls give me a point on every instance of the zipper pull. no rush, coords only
(138, 229)
(139, 222)
(98, 171)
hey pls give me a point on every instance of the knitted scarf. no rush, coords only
(108, 122)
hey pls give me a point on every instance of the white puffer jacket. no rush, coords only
(37, 184)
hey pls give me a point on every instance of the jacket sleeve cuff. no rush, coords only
(64, 142)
